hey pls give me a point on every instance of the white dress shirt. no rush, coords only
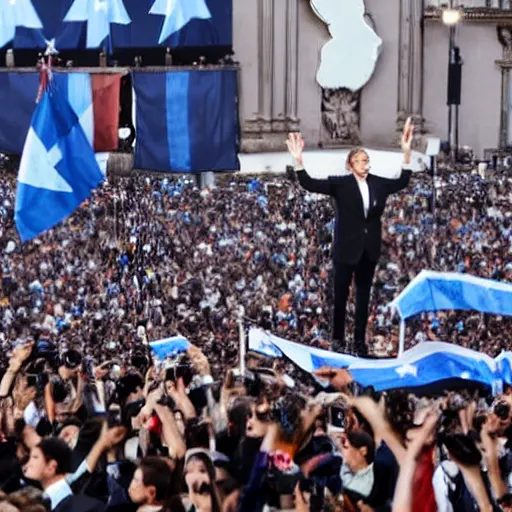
(360, 482)
(365, 194)
(442, 484)
(58, 492)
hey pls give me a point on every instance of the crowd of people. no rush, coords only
(89, 421)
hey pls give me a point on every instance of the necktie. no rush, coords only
(47, 503)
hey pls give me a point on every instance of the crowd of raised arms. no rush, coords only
(89, 421)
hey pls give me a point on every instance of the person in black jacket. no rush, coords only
(360, 199)
(49, 463)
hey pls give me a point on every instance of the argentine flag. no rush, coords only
(58, 168)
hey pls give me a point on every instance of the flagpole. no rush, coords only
(401, 343)
(45, 64)
(115, 218)
(241, 331)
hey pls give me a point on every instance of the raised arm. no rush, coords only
(406, 144)
(295, 144)
(399, 183)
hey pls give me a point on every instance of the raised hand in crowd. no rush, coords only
(338, 378)
(418, 439)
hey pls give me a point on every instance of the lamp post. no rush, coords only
(451, 17)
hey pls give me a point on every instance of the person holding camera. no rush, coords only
(360, 199)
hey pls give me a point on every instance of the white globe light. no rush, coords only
(451, 16)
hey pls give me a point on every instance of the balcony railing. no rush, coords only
(491, 11)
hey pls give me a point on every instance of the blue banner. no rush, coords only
(114, 24)
(422, 366)
(441, 291)
(58, 168)
(186, 121)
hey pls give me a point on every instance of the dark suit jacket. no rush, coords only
(80, 503)
(353, 233)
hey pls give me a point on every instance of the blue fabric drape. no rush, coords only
(186, 121)
(18, 93)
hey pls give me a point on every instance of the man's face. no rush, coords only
(360, 164)
(354, 458)
(139, 493)
(38, 468)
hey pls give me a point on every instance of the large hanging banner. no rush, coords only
(186, 121)
(115, 24)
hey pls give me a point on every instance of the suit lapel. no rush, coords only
(357, 194)
(372, 200)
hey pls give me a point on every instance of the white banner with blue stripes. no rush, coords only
(438, 291)
(423, 365)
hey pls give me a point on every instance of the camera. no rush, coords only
(338, 416)
(502, 410)
(180, 367)
(114, 418)
(37, 374)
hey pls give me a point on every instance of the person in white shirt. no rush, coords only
(50, 465)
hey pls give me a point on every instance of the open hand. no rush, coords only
(339, 378)
(199, 361)
(407, 137)
(20, 354)
(295, 145)
(110, 437)
(424, 435)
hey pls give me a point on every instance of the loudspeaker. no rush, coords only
(454, 77)
(454, 84)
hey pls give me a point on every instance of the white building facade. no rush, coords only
(348, 72)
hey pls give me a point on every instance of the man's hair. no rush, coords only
(352, 153)
(56, 449)
(128, 385)
(360, 439)
(157, 473)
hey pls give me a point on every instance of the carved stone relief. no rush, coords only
(340, 116)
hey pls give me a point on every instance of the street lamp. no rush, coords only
(451, 17)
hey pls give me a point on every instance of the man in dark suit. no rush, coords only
(360, 199)
(49, 463)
